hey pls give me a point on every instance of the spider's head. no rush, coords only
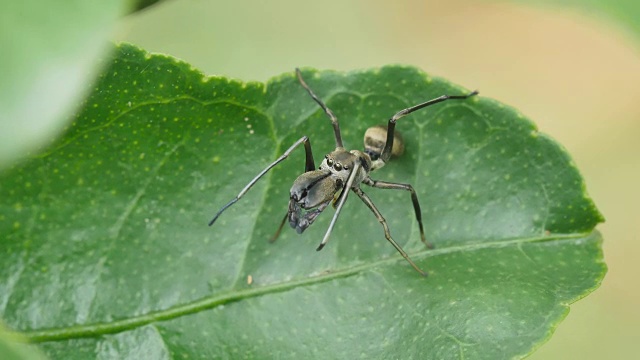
(339, 163)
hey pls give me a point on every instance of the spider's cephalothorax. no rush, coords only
(342, 170)
(314, 190)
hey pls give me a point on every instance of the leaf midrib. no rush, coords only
(209, 302)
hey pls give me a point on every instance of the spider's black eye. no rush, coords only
(346, 167)
(329, 162)
(338, 166)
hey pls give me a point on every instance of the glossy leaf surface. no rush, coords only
(107, 252)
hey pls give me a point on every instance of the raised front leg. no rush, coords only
(310, 165)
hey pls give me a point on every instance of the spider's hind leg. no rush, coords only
(387, 233)
(414, 199)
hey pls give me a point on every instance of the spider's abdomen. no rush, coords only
(374, 139)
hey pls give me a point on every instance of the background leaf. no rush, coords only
(14, 347)
(109, 254)
(618, 12)
(142, 4)
(49, 59)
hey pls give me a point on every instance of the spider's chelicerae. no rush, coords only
(342, 170)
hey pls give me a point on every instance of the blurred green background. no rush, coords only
(575, 72)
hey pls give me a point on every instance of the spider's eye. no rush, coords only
(329, 162)
(338, 166)
(346, 167)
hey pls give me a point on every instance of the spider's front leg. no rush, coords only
(309, 166)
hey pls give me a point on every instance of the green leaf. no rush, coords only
(49, 58)
(108, 253)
